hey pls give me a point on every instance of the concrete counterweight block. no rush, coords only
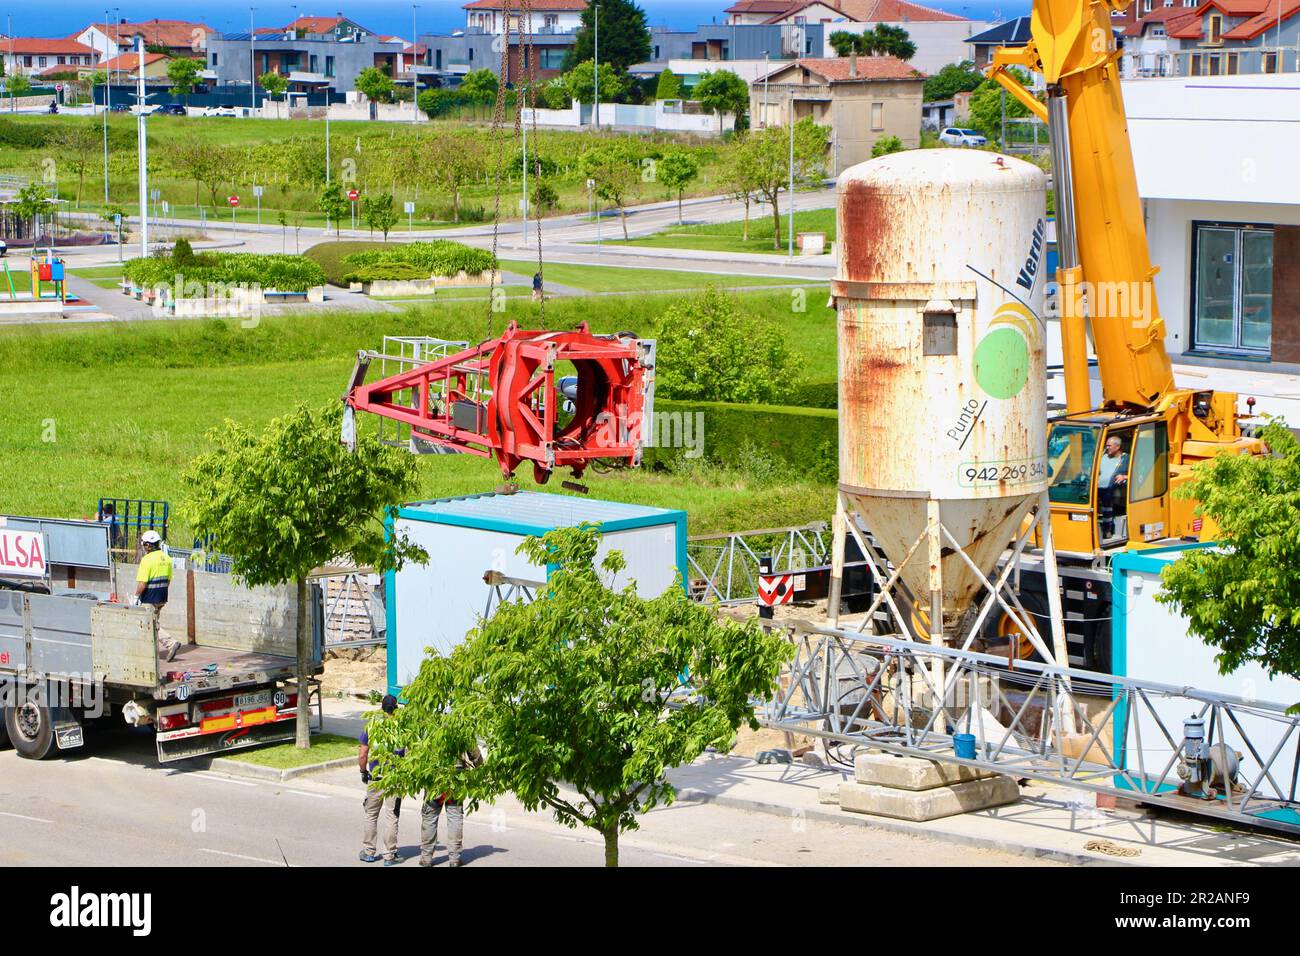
(921, 805)
(911, 773)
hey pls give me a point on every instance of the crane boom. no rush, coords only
(1101, 235)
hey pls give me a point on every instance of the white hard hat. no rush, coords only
(151, 537)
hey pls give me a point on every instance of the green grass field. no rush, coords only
(728, 236)
(120, 410)
(598, 278)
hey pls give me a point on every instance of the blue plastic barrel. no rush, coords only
(963, 745)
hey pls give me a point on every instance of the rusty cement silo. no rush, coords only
(939, 295)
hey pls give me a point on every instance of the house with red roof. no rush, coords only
(549, 16)
(861, 98)
(1231, 37)
(178, 37)
(32, 55)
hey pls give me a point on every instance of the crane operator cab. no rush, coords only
(1109, 478)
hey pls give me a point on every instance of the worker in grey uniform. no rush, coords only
(380, 810)
(434, 804)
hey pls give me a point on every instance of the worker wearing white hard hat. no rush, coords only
(152, 582)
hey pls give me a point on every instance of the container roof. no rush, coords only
(531, 512)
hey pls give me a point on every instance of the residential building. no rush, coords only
(126, 68)
(311, 62)
(1224, 230)
(322, 28)
(549, 16)
(861, 99)
(180, 37)
(1227, 37)
(32, 55)
(1010, 33)
(1147, 46)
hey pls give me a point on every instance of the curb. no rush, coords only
(240, 768)
(898, 826)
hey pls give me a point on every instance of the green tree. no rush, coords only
(843, 42)
(19, 85)
(293, 498)
(375, 85)
(669, 87)
(544, 197)
(204, 162)
(617, 179)
(986, 105)
(738, 177)
(78, 147)
(709, 349)
(677, 170)
(570, 695)
(893, 41)
(379, 213)
(479, 87)
(952, 79)
(886, 145)
(334, 205)
(33, 200)
(555, 94)
(1243, 597)
(722, 91)
(624, 35)
(184, 75)
(765, 155)
(581, 84)
(274, 84)
(453, 159)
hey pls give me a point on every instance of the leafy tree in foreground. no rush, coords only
(292, 498)
(1243, 597)
(710, 350)
(570, 695)
(616, 178)
(375, 84)
(275, 85)
(723, 91)
(78, 146)
(184, 75)
(765, 156)
(581, 83)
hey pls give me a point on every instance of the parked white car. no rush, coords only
(220, 111)
(956, 136)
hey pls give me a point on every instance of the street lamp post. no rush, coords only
(790, 228)
(767, 68)
(108, 88)
(142, 149)
(252, 65)
(415, 47)
(595, 66)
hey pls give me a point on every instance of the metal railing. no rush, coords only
(353, 613)
(1223, 60)
(724, 567)
(910, 698)
(402, 353)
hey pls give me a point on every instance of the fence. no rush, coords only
(724, 567)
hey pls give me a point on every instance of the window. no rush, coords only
(1070, 451)
(62, 61)
(438, 59)
(550, 21)
(1270, 63)
(313, 64)
(939, 333)
(1150, 468)
(1232, 287)
(214, 59)
(1232, 64)
(43, 61)
(1146, 6)
(877, 115)
(329, 66)
(551, 58)
(1214, 34)
(1157, 30)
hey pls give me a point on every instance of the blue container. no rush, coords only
(963, 745)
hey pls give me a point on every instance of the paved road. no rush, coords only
(113, 806)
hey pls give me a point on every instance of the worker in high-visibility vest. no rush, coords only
(152, 581)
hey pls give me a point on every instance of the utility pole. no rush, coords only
(108, 87)
(142, 149)
(790, 228)
(415, 109)
(252, 65)
(595, 65)
(523, 129)
(767, 68)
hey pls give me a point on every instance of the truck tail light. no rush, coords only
(172, 721)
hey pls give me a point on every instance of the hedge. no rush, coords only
(283, 273)
(806, 439)
(815, 395)
(423, 260)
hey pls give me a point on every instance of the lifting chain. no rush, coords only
(523, 29)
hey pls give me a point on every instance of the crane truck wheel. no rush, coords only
(30, 730)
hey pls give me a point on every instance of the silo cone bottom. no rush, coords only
(984, 527)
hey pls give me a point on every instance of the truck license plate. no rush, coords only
(261, 699)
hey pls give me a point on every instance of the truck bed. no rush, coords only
(233, 668)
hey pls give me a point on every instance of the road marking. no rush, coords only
(19, 816)
(219, 779)
(240, 856)
(314, 796)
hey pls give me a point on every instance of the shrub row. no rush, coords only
(423, 260)
(805, 440)
(283, 273)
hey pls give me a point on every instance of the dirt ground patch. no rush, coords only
(355, 678)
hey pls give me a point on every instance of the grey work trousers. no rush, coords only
(433, 806)
(390, 809)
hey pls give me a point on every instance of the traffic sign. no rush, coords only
(58, 87)
(257, 191)
(353, 195)
(410, 207)
(233, 200)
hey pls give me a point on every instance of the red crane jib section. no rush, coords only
(521, 420)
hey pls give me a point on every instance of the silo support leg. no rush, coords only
(934, 536)
(839, 534)
(1060, 649)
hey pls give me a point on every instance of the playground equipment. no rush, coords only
(47, 269)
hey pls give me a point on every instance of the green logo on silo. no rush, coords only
(1002, 356)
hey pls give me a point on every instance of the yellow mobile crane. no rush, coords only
(1114, 468)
